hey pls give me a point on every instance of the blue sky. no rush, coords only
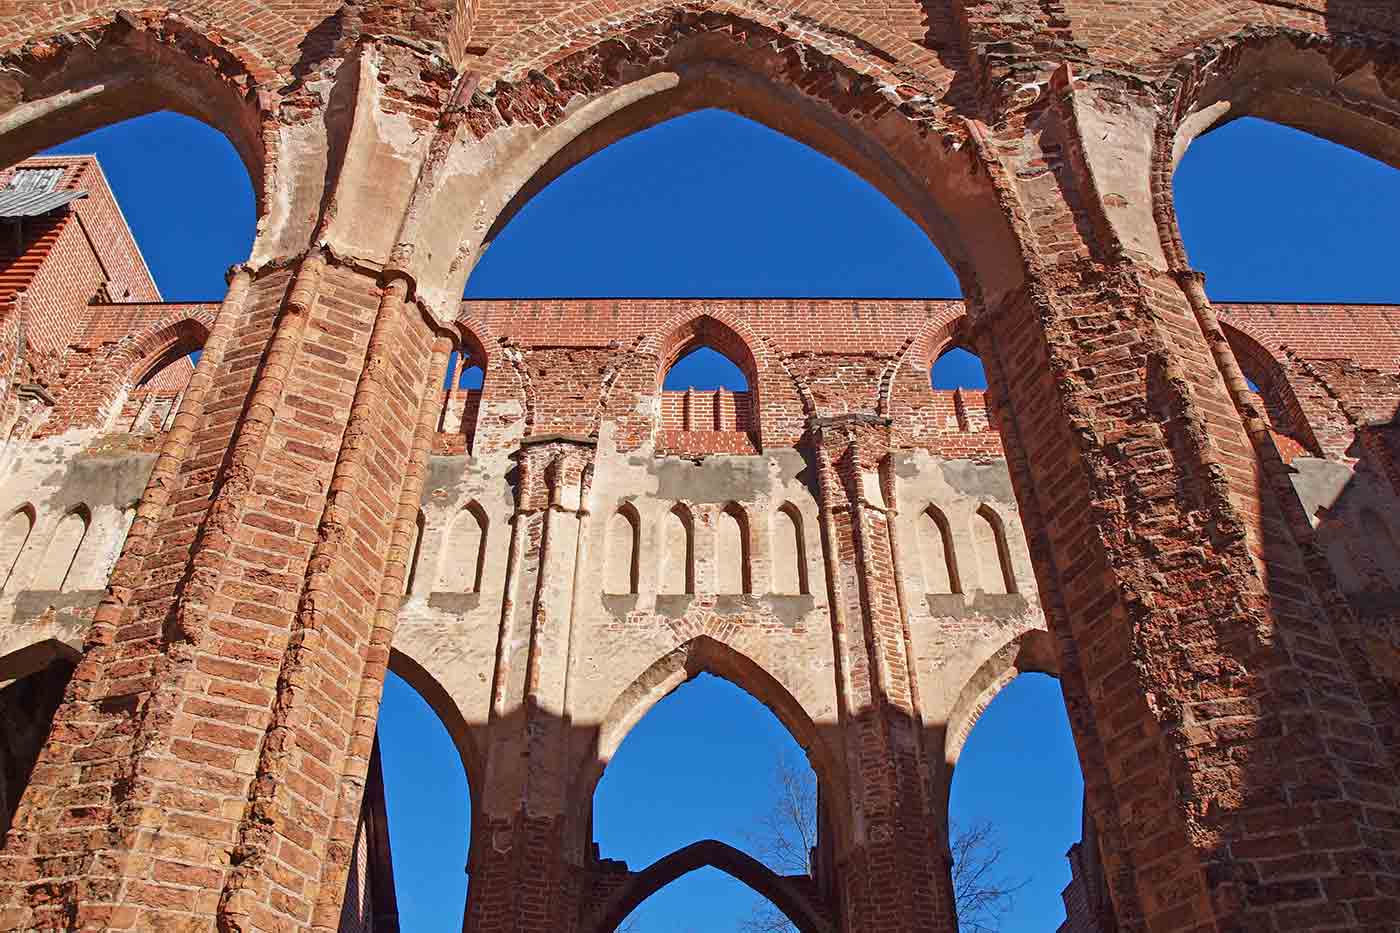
(710, 204)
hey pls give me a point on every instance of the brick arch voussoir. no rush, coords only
(711, 853)
(703, 654)
(947, 327)
(166, 340)
(1287, 75)
(1262, 357)
(55, 86)
(855, 41)
(770, 378)
(714, 327)
(860, 105)
(1028, 650)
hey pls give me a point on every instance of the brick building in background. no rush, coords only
(202, 605)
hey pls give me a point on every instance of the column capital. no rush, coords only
(555, 472)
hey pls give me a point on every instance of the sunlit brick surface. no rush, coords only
(1210, 569)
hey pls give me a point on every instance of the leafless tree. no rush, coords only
(787, 835)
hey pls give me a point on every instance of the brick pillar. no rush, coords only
(523, 880)
(212, 747)
(1246, 785)
(893, 874)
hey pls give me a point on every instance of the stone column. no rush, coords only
(894, 871)
(1246, 786)
(522, 878)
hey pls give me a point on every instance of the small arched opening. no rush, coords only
(677, 573)
(462, 386)
(14, 536)
(733, 555)
(996, 574)
(936, 552)
(1267, 378)
(959, 384)
(622, 551)
(158, 382)
(789, 552)
(708, 382)
(463, 559)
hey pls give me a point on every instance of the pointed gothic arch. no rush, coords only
(702, 654)
(129, 66)
(427, 685)
(785, 893)
(14, 536)
(937, 553)
(676, 575)
(408, 754)
(622, 551)
(997, 574)
(1262, 366)
(1284, 75)
(592, 84)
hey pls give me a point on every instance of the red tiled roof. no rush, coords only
(23, 250)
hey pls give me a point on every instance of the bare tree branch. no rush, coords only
(787, 835)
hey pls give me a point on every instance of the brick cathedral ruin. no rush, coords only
(209, 569)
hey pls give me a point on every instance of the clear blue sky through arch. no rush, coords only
(710, 205)
(699, 765)
(186, 196)
(714, 205)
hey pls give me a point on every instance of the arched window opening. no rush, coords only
(1385, 550)
(993, 554)
(677, 576)
(428, 808)
(461, 394)
(657, 797)
(959, 391)
(732, 569)
(940, 562)
(60, 557)
(707, 370)
(789, 552)
(464, 557)
(957, 368)
(622, 551)
(707, 402)
(1009, 836)
(1255, 240)
(1267, 379)
(673, 170)
(415, 551)
(13, 537)
(151, 405)
(34, 680)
